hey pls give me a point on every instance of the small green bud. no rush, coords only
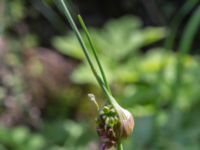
(116, 119)
(107, 121)
(106, 109)
(111, 122)
(112, 111)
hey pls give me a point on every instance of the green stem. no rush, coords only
(185, 9)
(78, 35)
(119, 146)
(99, 80)
(94, 51)
(176, 21)
(190, 30)
(184, 47)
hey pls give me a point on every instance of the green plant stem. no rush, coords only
(94, 51)
(78, 35)
(185, 9)
(185, 46)
(119, 146)
(190, 31)
(100, 82)
(175, 23)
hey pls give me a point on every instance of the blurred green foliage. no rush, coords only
(54, 136)
(145, 85)
(43, 95)
(117, 44)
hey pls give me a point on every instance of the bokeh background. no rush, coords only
(150, 51)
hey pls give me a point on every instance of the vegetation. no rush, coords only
(153, 72)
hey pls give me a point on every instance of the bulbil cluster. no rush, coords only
(107, 124)
(113, 124)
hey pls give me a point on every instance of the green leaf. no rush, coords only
(69, 46)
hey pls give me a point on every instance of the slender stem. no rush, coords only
(189, 32)
(119, 146)
(94, 51)
(99, 80)
(185, 9)
(78, 35)
(184, 47)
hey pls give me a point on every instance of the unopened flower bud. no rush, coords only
(126, 122)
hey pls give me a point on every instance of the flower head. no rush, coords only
(113, 125)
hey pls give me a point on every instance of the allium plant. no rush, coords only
(114, 123)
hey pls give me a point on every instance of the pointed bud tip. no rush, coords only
(127, 123)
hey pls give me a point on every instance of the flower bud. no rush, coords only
(113, 124)
(126, 122)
